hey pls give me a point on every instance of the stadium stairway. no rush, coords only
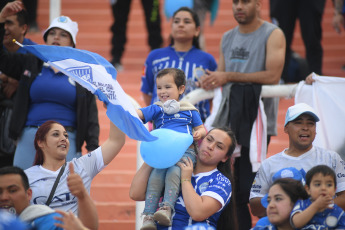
(110, 188)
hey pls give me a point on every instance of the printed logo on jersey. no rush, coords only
(204, 186)
(57, 201)
(63, 19)
(223, 180)
(239, 55)
(84, 72)
(222, 184)
(167, 58)
(256, 187)
(176, 115)
(331, 221)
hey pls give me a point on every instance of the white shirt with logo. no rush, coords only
(41, 181)
(315, 156)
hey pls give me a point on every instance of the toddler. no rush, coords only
(319, 211)
(179, 116)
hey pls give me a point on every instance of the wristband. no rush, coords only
(185, 180)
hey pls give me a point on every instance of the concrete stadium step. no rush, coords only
(110, 192)
(124, 161)
(116, 224)
(124, 211)
(111, 176)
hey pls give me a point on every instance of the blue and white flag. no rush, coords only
(97, 75)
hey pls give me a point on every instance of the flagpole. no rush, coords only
(14, 41)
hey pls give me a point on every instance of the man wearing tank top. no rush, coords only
(251, 54)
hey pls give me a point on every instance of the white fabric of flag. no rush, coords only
(326, 95)
(96, 74)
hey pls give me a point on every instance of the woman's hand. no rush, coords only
(186, 165)
(87, 209)
(75, 183)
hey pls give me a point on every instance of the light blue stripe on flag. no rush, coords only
(97, 75)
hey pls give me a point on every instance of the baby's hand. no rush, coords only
(323, 202)
(197, 135)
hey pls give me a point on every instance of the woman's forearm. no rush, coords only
(198, 207)
(137, 191)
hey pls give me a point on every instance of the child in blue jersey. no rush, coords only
(179, 116)
(282, 196)
(319, 211)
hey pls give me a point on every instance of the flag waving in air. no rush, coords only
(97, 75)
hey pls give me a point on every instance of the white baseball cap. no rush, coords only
(296, 110)
(65, 23)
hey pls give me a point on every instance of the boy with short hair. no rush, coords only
(319, 211)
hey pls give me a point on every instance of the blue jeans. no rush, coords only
(25, 152)
(170, 178)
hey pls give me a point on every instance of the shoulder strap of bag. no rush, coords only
(55, 185)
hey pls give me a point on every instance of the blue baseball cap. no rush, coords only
(296, 110)
(289, 172)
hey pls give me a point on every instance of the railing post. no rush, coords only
(139, 207)
(54, 9)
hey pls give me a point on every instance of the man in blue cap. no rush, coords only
(300, 125)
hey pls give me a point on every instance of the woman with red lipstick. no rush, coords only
(47, 94)
(206, 190)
